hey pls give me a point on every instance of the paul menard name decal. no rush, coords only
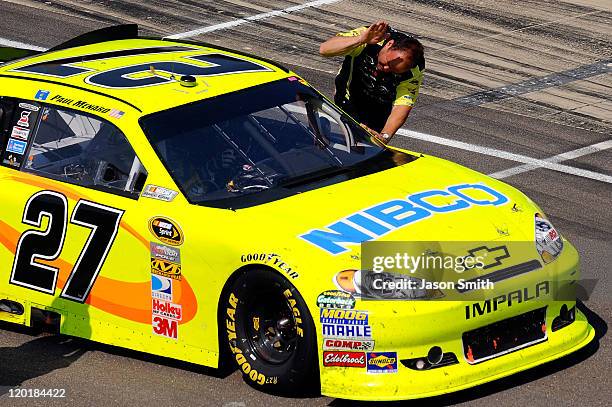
(79, 103)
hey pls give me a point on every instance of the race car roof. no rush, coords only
(148, 74)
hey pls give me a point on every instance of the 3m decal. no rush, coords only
(166, 230)
(344, 317)
(391, 215)
(347, 344)
(161, 287)
(166, 268)
(382, 362)
(165, 327)
(336, 299)
(160, 251)
(16, 146)
(344, 359)
(167, 309)
(47, 244)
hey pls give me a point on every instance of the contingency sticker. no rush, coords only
(20, 133)
(382, 362)
(335, 299)
(166, 230)
(159, 193)
(161, 287)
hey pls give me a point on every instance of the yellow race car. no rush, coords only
(197, 203)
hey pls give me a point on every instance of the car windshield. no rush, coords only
(275, 135)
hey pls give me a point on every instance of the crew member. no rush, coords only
(380, 77)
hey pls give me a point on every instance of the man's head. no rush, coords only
(400, 54)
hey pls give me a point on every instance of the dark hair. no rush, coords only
(405, 42)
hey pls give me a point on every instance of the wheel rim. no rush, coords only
(271, 328)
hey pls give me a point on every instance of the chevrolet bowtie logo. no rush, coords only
(491, 257)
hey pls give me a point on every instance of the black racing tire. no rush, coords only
(270, 334)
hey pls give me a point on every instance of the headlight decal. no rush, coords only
(548, 241)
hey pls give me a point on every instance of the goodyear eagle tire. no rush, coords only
(270, 334)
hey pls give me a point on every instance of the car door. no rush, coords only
(70, 218)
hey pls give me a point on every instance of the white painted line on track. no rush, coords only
(256, 17)
(16, 44)
(536, 162)
(570, 155)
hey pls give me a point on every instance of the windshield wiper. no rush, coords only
(314, 176)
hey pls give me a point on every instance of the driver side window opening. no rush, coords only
(84, 150)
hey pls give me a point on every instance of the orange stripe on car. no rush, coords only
(121, 298)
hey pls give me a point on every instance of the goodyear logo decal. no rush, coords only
(372, 223)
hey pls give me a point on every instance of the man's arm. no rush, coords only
(344, 44)
(396, 119)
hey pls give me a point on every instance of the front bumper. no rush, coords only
(407, 383)
(412, 328)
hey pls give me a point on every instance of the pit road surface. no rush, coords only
(521, 90)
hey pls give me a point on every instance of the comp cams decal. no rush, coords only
(388, 216)
(166, 230)
(347, 344)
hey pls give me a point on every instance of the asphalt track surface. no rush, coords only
(518, 89)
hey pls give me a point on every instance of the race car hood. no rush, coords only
(428, 199)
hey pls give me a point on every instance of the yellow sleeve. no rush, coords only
(407, 91)
(354, 33)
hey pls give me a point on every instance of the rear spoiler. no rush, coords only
(10, 54)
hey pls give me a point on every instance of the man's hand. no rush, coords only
(375, 33)
(378, 136)
(344, 44)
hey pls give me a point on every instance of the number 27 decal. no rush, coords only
(47, 244)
